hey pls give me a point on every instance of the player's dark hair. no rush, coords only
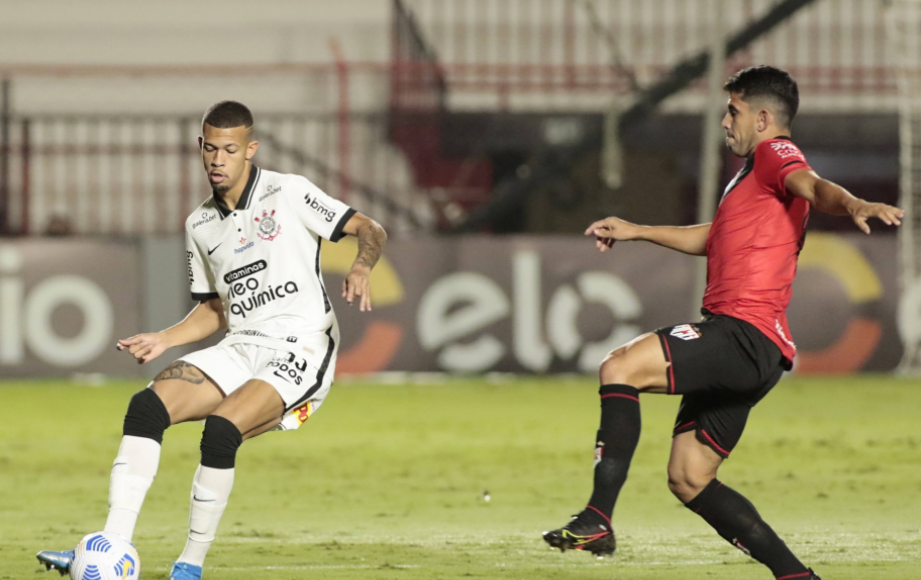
(227, 115)
(767, 82)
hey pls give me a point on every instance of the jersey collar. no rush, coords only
(245, 197)
(742, 174)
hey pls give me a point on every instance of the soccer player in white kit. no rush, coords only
(253, 257)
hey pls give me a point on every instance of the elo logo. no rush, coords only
(25, 318)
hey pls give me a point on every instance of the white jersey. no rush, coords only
(263, 259)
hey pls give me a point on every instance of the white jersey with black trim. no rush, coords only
(263, 258)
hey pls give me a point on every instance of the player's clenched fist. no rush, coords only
(610, 230)
(144, 347)
(357, 284)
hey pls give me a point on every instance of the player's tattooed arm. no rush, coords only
(181, 371)
(371, 239)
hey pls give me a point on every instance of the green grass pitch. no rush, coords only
(387, 481)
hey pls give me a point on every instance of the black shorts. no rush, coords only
(722, 366)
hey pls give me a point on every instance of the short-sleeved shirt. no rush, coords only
(754, 242)
(263, 258)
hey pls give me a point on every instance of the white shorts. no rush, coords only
(302, 376)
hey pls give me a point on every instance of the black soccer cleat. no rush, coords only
(814, 575)
(581, 533)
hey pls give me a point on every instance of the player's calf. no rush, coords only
(211, 489)
(639, 365)
(133, 471)
(738, 522)
(135, 467)
(615, 443)
(691, 466)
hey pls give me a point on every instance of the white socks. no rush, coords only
(210, 491)
(132, 473)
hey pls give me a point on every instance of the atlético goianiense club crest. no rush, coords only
(268, 227)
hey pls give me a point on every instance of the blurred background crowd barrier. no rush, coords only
(483, 134)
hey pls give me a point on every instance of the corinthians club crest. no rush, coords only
(268, 227)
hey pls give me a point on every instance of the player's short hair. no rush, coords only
(771, 83)
(227, 115)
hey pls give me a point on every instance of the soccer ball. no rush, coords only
(105, 556)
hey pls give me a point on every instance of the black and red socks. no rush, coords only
(738, 522)
(616, 441)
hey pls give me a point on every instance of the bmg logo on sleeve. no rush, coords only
(313, 203)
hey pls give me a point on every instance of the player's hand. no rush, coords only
(888, 214)
(610, 230)
(144, 347)
(357, 285)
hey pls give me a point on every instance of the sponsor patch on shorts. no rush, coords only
(685, 332)
(303, 412)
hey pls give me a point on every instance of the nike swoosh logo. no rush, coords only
(215, 247)
(201, 500)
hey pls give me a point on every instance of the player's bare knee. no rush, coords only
(685, 490)
(616, 369)
(686, 484)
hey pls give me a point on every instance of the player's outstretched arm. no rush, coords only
(831, 198)
(688, 239)
(371, 239)
(203, 321)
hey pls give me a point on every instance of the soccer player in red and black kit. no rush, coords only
(723, 365)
